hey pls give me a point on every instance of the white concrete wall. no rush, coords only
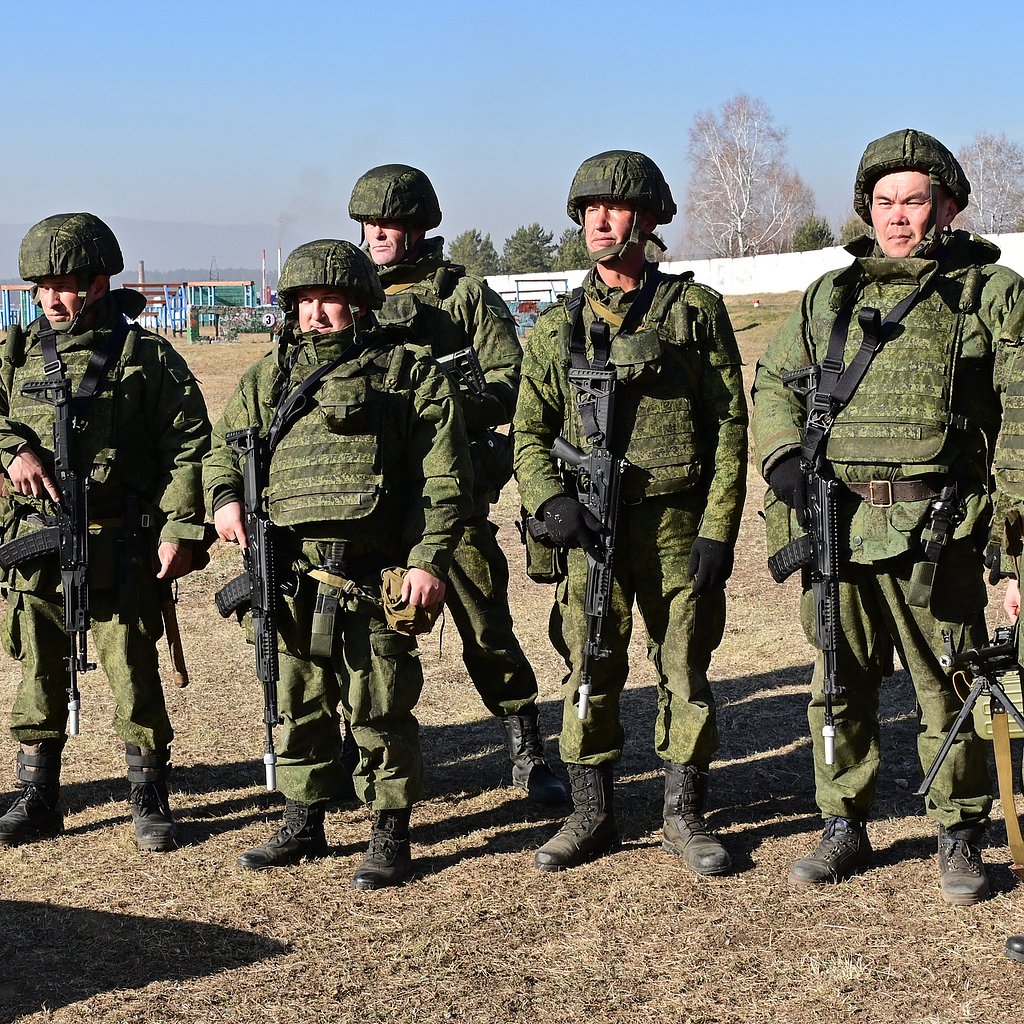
(749, 275)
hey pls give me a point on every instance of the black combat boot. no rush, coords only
(526, 752)
(962, 877)
(590, 831)
(843, 851)
(301, 835)
(155, 831)
(388, 860)
(686, 832)
(35, 813)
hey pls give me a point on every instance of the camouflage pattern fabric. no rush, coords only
(395, 192)
(69, 243)
(415, 522)
(146, 432)
(684, 360)
(901, 425)
(439, 302)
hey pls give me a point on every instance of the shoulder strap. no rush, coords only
(99, 362)
(838, 382)
(289, 409)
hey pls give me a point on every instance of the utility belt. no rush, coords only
(886, 493)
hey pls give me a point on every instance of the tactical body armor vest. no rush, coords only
(657, 400)
(331, 464)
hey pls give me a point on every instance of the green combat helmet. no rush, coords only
(908, 150)
(629, 177)
(395, 192)
(69, 243)
(330, 263)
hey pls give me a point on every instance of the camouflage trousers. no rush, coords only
(874, 612)
(125, 645)
(651, 566)
(374, 677)
(477, 600)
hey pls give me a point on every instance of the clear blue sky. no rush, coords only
(265, 113)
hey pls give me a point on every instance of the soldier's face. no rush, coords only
(901, 209)
(386, 239)
(60, 299)
(323, 310)
(606, 223)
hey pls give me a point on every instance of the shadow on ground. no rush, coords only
(52, 956)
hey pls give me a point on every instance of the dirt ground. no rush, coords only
(91, 929)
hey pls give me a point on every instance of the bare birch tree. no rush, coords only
(743, 198)
(995, 169)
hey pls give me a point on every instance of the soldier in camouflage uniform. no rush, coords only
(140, 439)
(452, 310)
(680, 421)
(374, 473)
(925, 415)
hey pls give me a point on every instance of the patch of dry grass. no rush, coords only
(92, 929)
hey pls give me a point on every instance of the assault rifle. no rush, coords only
(598, 478)
(464, 366)
(262, 584)
(818, 550)
(69, 537)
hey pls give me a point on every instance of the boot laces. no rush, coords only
(960, 855)
(149, 800)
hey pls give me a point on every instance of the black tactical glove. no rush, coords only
(710, 564)
(788, 481)
(572, 525)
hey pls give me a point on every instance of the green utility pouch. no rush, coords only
(399, 615)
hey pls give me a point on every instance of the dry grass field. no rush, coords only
(91, 929)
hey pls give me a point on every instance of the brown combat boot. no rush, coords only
(388, 859)
(155, 831)
(686, 832)
(526, 752)
(35, 813)
(590, 831)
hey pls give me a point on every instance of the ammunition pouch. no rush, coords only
(544, 562)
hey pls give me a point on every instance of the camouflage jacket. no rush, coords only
(680, 416)
(145, 431)
(446, 309)
(929, 405)
(378, 458)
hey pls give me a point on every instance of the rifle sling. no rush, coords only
(288, 409)
(602, 340)
(1004, 773)
(99, 361)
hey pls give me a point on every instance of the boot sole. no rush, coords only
(965, 899)
(798, 882)
(596, 855)
(35, 837)
(678, 851)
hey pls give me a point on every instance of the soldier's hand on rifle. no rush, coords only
(1011, 600)
(788, 481)
(572, 525)
(175, 560)
(421, 589)
(227, 520)
(29, 477)
(710, 564)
